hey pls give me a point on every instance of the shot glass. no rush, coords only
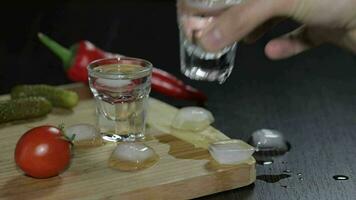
(196, 63)
(121, 88)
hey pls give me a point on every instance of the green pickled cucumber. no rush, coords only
(24, 108)
(57, 96)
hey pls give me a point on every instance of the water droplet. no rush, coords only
(301, 178)
(299, 174)
(272, 178)
(340, 177)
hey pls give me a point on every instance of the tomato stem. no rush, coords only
(64, 136)
(72, 138)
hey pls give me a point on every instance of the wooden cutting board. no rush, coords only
(185, 169)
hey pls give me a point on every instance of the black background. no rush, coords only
(311, 97)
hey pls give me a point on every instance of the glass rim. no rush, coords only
(145, 64)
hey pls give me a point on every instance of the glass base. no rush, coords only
(110, 137)
(201, 74)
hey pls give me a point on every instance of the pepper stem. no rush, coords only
(63, 53)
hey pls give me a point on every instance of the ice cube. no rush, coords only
(192, 119)
(130, 156)
(82, 132)
(85, 134)
(269, 140)
(133, 152)
(230, 151)
(112, 83)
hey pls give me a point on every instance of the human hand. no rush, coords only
(323, 21)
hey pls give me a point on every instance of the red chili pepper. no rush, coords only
(77, 58)
(169, 85)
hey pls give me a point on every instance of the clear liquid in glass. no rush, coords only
(121, 100)
(196, 63)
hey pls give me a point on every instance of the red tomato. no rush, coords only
(42, 152)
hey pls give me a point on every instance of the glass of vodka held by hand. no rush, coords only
(197, 64)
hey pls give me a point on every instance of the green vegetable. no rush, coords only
(57, 96)
(25, 108)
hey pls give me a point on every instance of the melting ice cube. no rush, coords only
(269, 140)
(131, 156)
(112, 83)
(192, 119)
(230, 151)
(85, 134)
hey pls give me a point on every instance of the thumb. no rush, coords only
(238, 21)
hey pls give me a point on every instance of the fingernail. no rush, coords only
(212, 40)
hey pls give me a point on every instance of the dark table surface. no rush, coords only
(311, 98)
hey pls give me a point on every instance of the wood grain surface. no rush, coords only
(185, 169)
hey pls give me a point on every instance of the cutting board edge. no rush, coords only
(201, 190)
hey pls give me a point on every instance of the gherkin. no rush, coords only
(24, 108)
(57, 96)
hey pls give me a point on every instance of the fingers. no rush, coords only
(291, 44)
(305, 38)
(283, 48)
(236, 22)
